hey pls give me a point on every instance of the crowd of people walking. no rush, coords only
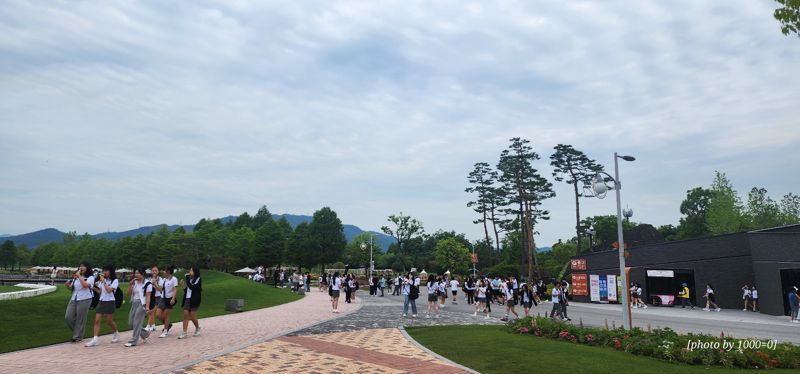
(152, 297)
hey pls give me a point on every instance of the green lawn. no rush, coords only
(12, 289)
(492, 349)
(36, 321)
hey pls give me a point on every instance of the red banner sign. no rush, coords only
(580, 285)
(474, 258)
(578, 264)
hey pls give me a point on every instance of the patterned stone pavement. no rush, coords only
(366, 341)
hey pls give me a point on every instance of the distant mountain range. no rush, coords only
(36, 238)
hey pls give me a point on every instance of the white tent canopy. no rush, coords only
(245, 270)
(124, 271)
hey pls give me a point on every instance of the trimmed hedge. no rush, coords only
(666, 344)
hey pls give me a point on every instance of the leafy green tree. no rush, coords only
(669, 232)
(268, 245)
(301, 247)
(762, 211)
(605, 228)
(354, 255)
(238, 247)
(488, 199)
(789, 16)
(790, 209)
(526, 190)
(452, 255)
(8, 254)
(725, 210)
(262, 217)
(572, 167)
(695, 210)
(244, 220)
(404, 229)
(328, 234)
(43, 254)
(23, 256)
(557, 258)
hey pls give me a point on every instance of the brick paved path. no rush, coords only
(219, 335)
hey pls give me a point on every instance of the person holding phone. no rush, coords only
(155, 280)
(192, 292)
(139, 292)
(106, 285)
(79, 302)
(169, 287)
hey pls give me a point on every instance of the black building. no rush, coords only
(769, 259)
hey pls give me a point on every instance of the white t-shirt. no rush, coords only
(108, 296)
(755, 294)
(169, 286)
(189, 290)
(139, 292)
(639, 291)
(158, 282)
(407, 286)
(453, 285)
(432, 288)
(509, 293)
(555, 295)
(481, 291)
(336, 283)
(525, 298)
(79, 292)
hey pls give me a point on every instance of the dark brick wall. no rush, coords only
(773, 251)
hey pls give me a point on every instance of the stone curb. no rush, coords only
(434, 354)
(254, 342)
(36, 290)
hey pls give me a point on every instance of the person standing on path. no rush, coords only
(555, 295)
(191, 301)
(107, 285)
(482, 291)
(433, 302)
(382, 284)
(754, 295)
(155, 280)
(794, 305)
(169, 286)
(454, 289)
(508, 290)
(710, 300)
(685, 295)
(526, 295)
(336, 286)
(397, 283)
(79, 301)
(746, 296)
(53, 276)
(139, 292)
(410, 293)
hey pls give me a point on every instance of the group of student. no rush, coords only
(337, 283)
(151, 297)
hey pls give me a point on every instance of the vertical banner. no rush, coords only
(579, 286)
(594, 287)
(603, 288)
(612, 288)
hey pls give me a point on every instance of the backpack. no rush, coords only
(119, 298)
(152, 294)
(95, 298)
(413, 294)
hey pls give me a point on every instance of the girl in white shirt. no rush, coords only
(139, 292)
(79, 301)
(155, 280)
(106, 285)
(480, 290)
(169, 297)
(508, 291)
(555, 299)
(433, 302)
(336, 286)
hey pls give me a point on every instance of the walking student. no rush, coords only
(556, 299)
(527, 298)
(107, 285)
(794, 304)
(410, 293)
(155, 280)
(454, 289)
(79, 301)
(336, 286)
(710, 300)
(382, 284)
(508, 290)
(169, 287)
(433, 302)
(191, 301)
(140, 292)
(754, 296)
(746, 296)
(685, 296)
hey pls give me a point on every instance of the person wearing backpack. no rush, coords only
(107, 285)
(155, 280)
(191, 301)
(410, 293)
(142, 297)
(79, 301)
(169, 287)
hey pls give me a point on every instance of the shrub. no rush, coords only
(666, 344)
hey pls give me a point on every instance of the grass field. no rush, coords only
(12, 289)
(492, 349)
(38, 321)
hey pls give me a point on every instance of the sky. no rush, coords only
(118, 114)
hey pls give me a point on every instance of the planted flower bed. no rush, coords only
(666, 344)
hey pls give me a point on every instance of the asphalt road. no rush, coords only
(737, 323)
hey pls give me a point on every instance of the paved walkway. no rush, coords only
(220, 334)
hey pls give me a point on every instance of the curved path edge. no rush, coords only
(258, 341)
(434, 354)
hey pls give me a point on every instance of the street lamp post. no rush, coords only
(599, 188)
(364, 247)
(591, 233)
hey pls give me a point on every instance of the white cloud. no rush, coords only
(114, 113)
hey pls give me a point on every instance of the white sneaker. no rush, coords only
(487, 317)
(706, 309)
(795, 321)
(427, 315)
(182, 335)
(414, 315)
(164, 334)
(404, 315)
(475, 314)
(129, 344)
(744, 310)
(718, 309)
(92, 343)
(645, 306)
(115, 337)
(196, 332)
